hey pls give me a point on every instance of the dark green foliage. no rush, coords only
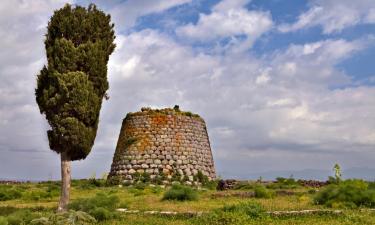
(67, 218)
(7, 210)
(233, 214)
(113, 180)
(102, 206)
(371, 185)
(211, 185)
(3, 221)
(284, 183)
(263, 192)
(38, 195)
(180, 193)
(140, 186)
(200, 177)
(141, 177)
(21, 217)
(333, 180)
(71, 87)
(348, 193)
(177, 108)
(251, 209)
(9, 193)
(244, 185)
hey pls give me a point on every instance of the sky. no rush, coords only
(282, 85)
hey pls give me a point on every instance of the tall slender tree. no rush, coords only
(71, 87)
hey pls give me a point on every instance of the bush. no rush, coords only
(38, 195)
(251, 209)
(233, 214)
(3, 221)
(244, 185)
(9, 194)
(263, 192)
(284, 183)
(348, 193)
(102, 206)
(21, 217)
(101, 213)
(67, 218)
(180, 193)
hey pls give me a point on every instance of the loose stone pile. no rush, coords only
(163, 144)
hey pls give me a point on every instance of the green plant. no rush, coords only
(177, 108)
(114, 180)
(200, 177)
(251, 209)
(101, 206)
(180, 193)
(284, 183)
(241, 213)
(3, 221)
(262, 192)
(9, 194)
(140, 186)
(71, 87)
(37, 195)
(348, 193)
(337, 170)
(67, 218)
(21, 217)
(244, 185)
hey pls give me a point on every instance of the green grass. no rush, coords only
(100, 202)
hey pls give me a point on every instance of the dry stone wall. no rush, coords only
(163, 143)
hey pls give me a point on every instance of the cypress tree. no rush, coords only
(71, 87)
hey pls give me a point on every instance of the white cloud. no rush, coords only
(229, 18)
(293, 111)
(125, 14)
(334, 16)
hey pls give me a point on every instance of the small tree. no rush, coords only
(71, 87)
(337, 170)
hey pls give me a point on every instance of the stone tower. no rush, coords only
(163, 143)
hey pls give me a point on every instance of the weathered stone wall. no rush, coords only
(165, 142)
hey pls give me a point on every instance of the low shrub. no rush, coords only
(251, 209)
(67, 218)
(180, 193)
(233, 214)
(284, 183)
(140, 186)
(9, 194)
(348, 194)
(36, 195)
(3, 221)
(21, 217)
(156, 190)
(262, 192)
(102, 206)
(244, 185)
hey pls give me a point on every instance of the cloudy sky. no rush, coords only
(282, 85)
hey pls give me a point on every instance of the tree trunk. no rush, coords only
(65, 182)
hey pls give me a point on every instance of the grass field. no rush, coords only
(21, 203)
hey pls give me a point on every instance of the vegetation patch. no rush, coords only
(348, 194)
(234, 214)
(102, 206)
(180, 193)
(262, 192)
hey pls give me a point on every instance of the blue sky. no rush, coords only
(283, 85)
